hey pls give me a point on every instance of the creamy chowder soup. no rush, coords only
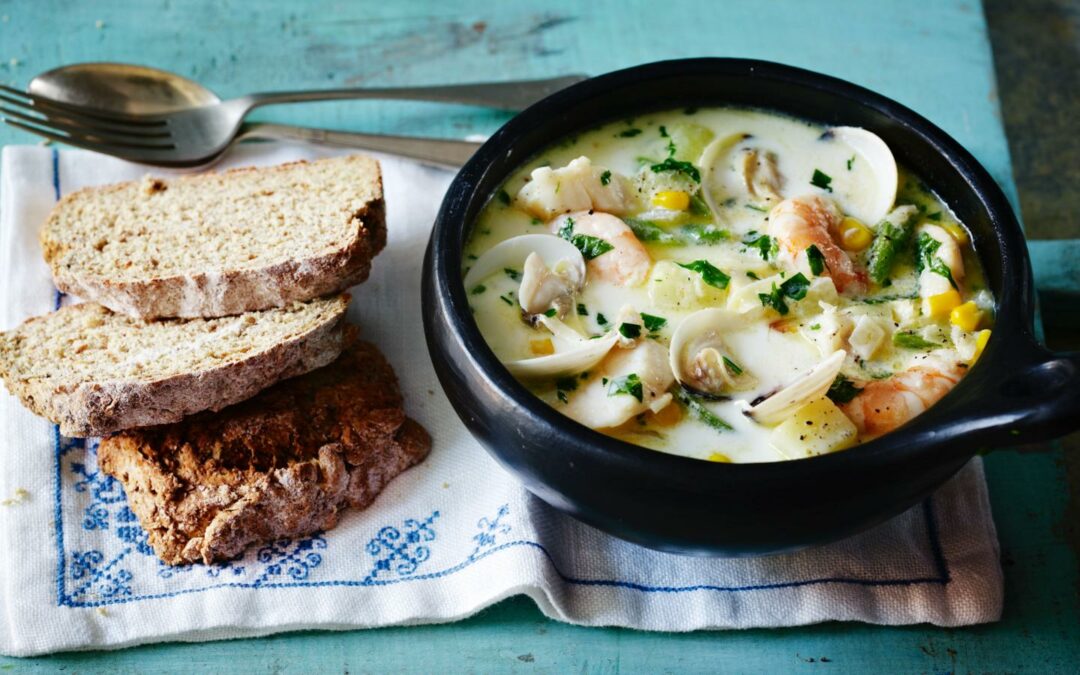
(727, 284)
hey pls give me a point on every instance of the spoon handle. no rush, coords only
(442, 152)
(513, 95)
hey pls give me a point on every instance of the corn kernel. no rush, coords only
(541, 347)
(981, 338)
(966, 316)
(943, 303)
(854, 236)
(958, 233)
(719, 457)
(667, 416)
(676, 200)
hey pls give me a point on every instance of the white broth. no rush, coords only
(727, 284)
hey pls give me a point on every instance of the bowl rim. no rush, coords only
(1014, 302)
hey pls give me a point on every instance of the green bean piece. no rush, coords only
(893, 235)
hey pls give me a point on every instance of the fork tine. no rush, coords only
(132, 153)
(86, 111)
(80, 120)
(109, 136)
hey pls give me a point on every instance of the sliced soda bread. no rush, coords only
(219, 244)
(93, 371)
(282, 464)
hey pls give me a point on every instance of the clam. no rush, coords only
(805, 389)
(872, 201)
(732, 168)
(577, 357)
(699, 358)
(553, 270)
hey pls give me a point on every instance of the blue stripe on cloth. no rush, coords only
(64, 599)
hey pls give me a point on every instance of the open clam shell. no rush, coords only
(697, 353)
(875, 194)
(578, 355)
(735, 166)
(808, 387)
(560, 256)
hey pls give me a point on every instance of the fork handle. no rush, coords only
(437, 151)
(513, 95)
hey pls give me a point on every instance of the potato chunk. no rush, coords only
(815, 429)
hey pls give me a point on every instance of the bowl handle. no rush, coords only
(1023, 393)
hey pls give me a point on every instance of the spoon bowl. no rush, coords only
(122, 87)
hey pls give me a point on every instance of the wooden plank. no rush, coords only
(934, 58)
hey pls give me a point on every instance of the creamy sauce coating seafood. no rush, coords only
(726, 284)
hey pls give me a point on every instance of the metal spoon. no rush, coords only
(143, 90)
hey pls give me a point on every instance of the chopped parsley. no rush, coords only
(765, 245)
(629, 133)
(504, 197)
(478, 289)
(590, 246)
(566, 230)
(676, 166)
(512, 273)
(653, 323)
(735, 368)
(821, 180)
(704, 415)
(582, 310)
(934, 216)
(794, 288)
(926, 248)
(816, 258)
(753, 276)
(605, 177)
(601, 319)
(550, 312)
(842, 390)
(709, 274)
(629, 384)
(911, 340)
(815, 326)
(564, 385)
(506, 299)
(850, 161)
(630, 331)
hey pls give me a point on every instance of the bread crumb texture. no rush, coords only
(94, 371)
(219, 243)
(282, 464)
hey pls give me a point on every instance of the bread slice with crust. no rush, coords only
(282, 464)
(218, 244)
(93, 371)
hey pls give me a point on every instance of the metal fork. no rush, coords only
(198, 136)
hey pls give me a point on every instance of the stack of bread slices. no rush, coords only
(212, 354)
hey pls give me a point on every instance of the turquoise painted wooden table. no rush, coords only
(934, 58)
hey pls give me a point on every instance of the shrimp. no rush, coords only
(626, 264)
(801, 222)
(884, 405)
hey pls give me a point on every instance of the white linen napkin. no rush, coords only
(445, 540)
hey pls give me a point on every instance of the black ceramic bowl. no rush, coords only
(1017, 393)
